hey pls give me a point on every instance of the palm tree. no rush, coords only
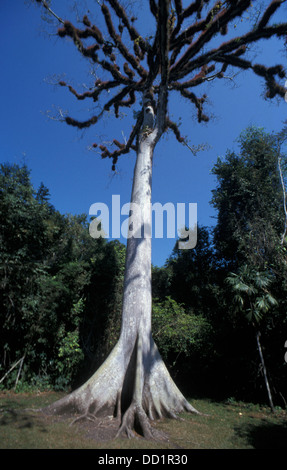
(254, 299)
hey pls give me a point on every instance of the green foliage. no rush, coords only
(48, 265)
(175, 331)
(249, 202)
(251, 292)
(70, 356)
(248, 243)
(61, 290)
(192, 273)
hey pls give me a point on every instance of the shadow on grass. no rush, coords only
(11, 415)
(264, 435)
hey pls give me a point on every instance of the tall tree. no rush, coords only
(250, 240)
(24, 244)
(252, 295)
(46, 261)
(248, 199)
(133, 383)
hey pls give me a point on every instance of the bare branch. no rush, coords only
(123, 148)
(134, 35)
(174, 127)
(133, 61)
(270, 10)
(163, 35)
(187, 62)
(216, 19)
(46, 6)
(179, 59)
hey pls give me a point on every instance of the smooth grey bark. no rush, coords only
(133, 383)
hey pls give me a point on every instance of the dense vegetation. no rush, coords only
(61, 290)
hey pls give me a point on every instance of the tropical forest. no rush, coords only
(101, 347)
(61, 289)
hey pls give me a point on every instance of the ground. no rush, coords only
(229, 425)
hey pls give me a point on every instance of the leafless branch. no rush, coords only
(46, 6)
(180, 58)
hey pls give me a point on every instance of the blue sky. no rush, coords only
(58, 154)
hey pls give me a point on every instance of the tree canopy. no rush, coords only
(183, 53)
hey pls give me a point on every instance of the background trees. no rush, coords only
(47, 264)
(249, 201)
(247, 238)
(61, 290)
(252, 296)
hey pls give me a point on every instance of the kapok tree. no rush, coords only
(133, 383)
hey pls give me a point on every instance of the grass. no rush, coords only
(227, 426)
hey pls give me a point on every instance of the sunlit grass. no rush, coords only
(223, 426)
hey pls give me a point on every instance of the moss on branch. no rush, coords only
(180, 58)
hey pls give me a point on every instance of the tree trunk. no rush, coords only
(133, 383)
(258, 334)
